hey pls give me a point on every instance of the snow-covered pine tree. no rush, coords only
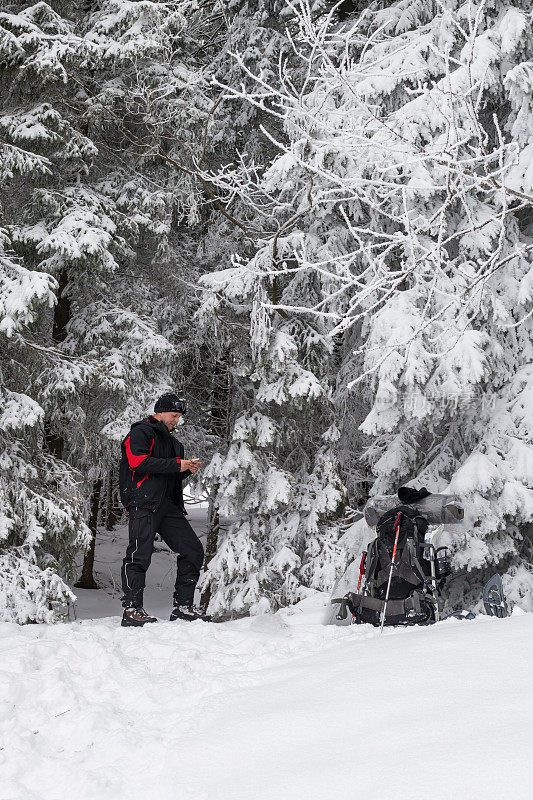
(41, 524)
(99, 117)
(277, 474)
(278, 482)
(413, 130)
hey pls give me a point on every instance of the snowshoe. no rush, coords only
(135, 617)
(494, 598)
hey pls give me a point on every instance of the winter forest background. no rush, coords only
(313, 221)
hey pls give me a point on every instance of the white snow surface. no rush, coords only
(274, 707)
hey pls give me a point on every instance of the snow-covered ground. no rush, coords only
(278, 707)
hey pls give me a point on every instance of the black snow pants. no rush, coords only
(176, 532)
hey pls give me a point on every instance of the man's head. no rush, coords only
(169, 410)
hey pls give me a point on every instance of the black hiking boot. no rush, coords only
(188, 613)
(135, 617)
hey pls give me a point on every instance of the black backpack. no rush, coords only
(411, 570)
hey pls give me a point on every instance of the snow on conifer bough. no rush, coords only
(403, 571)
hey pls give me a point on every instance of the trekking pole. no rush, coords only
(396, 534)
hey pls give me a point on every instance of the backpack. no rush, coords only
(416, 576)
(410, 570)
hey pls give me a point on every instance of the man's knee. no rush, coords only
(199, 559)
(135, 565)
(192, 552)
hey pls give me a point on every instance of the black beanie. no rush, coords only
(170, 402)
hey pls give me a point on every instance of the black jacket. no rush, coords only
(150, 466)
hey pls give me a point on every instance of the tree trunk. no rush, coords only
(54, 442)
(220, 396)
(87, 580)
(112, 510)
(210, 548)
(62, 310)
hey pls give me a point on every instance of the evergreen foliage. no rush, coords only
(91, 105)
(403, 176)
(313, 220)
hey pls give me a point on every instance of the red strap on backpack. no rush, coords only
(361, 569)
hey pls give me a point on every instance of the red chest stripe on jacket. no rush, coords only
(134, 460)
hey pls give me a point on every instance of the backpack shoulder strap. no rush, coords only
(372, 560)
(413, 545)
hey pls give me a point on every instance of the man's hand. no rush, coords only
(192, 464)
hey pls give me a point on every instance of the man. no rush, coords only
(152, 470)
